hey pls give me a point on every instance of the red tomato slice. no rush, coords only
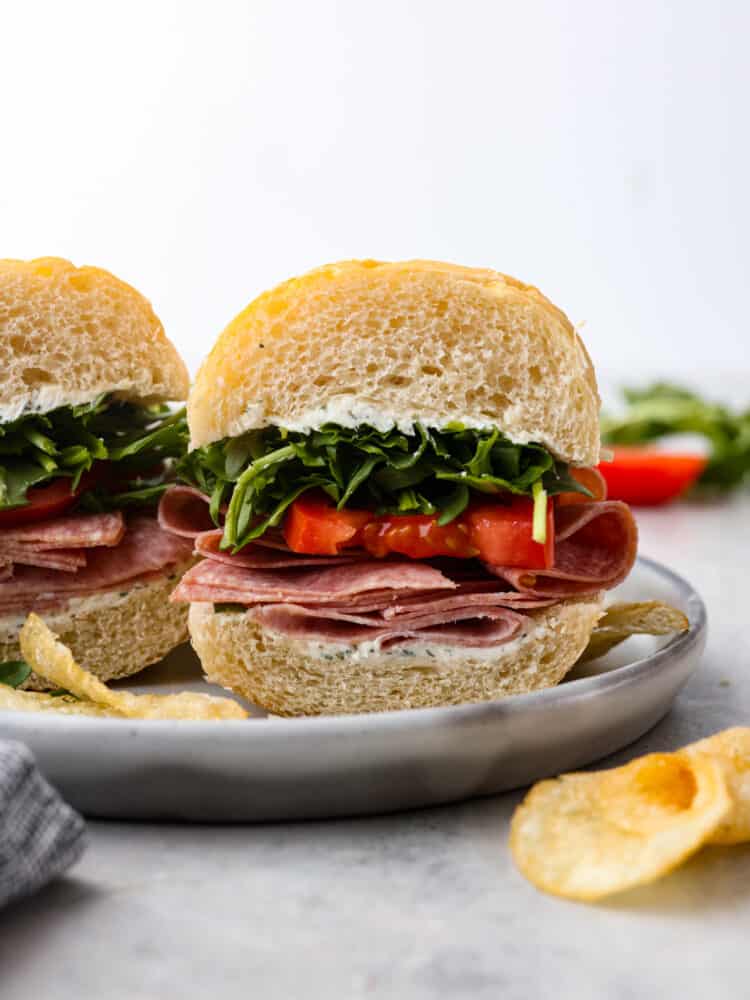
(498, 533)
(594, 482)
(418, 536)
(312, 525)
(646, 477)
(43, 502)
(503, 534)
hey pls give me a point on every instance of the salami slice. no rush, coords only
(183, 511)
(217, 581)
(490, 628)
(73, 531)
(595, 548)
(252, 556)
(144, 552)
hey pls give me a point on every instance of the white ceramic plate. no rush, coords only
(266, 769)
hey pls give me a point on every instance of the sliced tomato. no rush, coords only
(312, 525)
(647, 477)
(418, 536)
(503, 534)
(43, 502)
(498, 533)
(594, 482)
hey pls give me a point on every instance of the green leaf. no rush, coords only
(427, 472)
(66, 442)
(14, 672)
(363, 472)
(455, 505)
(664, 409)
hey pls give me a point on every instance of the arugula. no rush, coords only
(260, 473)
(14, 672)
(65, 442)
(663, 409)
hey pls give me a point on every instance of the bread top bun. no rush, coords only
(69, 333)
(363, 342)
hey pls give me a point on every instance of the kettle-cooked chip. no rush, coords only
(620, 621)
(732, 748)
(586, 836)
(54, 661)
(36, 701)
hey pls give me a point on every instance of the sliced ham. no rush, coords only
(595, 548)
(306, 623)
(144, 552)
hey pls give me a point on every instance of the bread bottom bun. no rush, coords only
(114, 634)
(293, 677)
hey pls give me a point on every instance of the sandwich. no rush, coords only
(87, 447)
(392, 492)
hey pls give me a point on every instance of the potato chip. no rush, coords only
(586, 836)
(54, 661)
(620, 621)
(732, 748)
(36, 701)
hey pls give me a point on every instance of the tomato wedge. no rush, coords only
(418, 536)
(43, 502)
(647, 477)
(499, 533)
(503, 534)
(312, 525)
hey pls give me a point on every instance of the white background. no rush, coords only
(204, 151)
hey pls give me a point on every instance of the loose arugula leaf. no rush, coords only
(144, 441)
(62, 693)
(14, 672)
(665, 409)
(263, 471)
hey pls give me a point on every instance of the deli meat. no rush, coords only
(595, 548)
(216, 581)
(491, 627)
(67, 560)
(145, 551)
(355, 598)
(72, 531)
(252, 556)
(183, 511)
(60, 542)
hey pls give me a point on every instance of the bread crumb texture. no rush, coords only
(113, 635)
(69, 333)
(278, 674)
(418, 340)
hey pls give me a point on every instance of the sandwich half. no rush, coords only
(87, 447)
(392, 493)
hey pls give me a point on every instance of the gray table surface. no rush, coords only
(423, 904)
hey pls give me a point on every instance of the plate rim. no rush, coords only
(409, 718)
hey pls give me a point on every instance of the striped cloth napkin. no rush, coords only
(40, 835)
